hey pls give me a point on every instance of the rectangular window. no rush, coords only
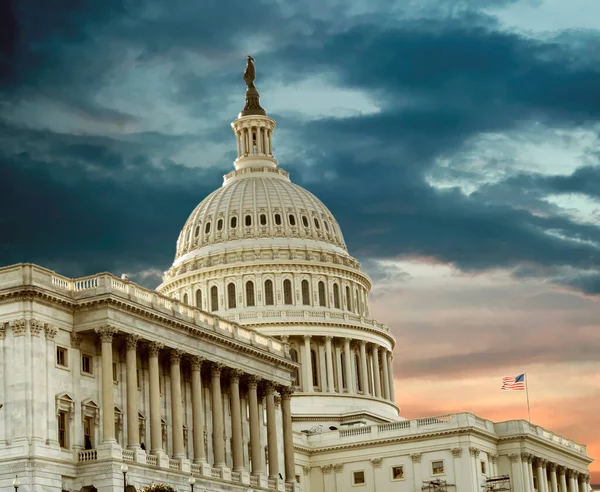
(483, 467)
(86, 364)
(115, 371)
(138, 378)
(117, 431)
(358, 477)
(437, 467)
(61, 357)
(87, 433)
(62, 430)
(398, 472)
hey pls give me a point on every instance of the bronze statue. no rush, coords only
(250, 72)
(252, 96)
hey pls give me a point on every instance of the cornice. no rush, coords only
(346, 418)
(545, 444)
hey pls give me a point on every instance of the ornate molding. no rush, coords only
(286, 392)
(18, 327)
(306, 469)
(106, 333)
(154, 348)
(36, 327)
(551, 466)
(235, 375)
(338, 467)
(474, 451)
(416, 457)
(326, 469)
(2, 331)
(269, 387)
(131, 342)
(514, 457)
(175, 357)
(75, 340)
(376, 462)
(196, 362)
(493, 458)
(215, 369)
(457, 452)
(253, 381)
(50, 331)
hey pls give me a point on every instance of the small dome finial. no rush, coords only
(252, 96)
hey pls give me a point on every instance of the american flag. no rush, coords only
(517, 384)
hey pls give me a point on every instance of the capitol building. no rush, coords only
(254, 366)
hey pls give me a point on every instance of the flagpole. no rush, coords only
(527, 393)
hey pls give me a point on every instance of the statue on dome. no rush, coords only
(252, 96)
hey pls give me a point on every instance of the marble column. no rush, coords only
(475, 471)
(418, 477)
(530, 471)
(364, 375)
(108, 400)
(176, 410)
(329, 364)
(217, 417)
(272, 431)
(155, 424)
(386, 375)
(390, 359)
(255, 445)
(516, 473)
(376, 378)
(197, 411)
(553, 482)
(351, 388)
(539, 471)
(288, 438)
(571, 474)
(525, 465)
(562, 479)
(237, 449)
(133, 428)
(337, 354)
(307, 366)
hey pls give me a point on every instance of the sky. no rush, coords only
(456, 142)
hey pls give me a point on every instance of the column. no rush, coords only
(288, 437)
(390, 359)
(386, 375)
(475, 472)
(237, 449)
(516, 477)
(217, 416)
(307, 365)
(176, 411)
(155, 427)
(364, 376)
(133, 428)
(259, 140)
(197, 411)
(530, 471)
(255, 445)
(272, 432)
(525, 464)
(376, 378)
(572, 483)
(337, 353)
(540, 475)
(108, 400)
(562, 479)
(329, 364)
(348, 367)
(418, 480)
(551, 467)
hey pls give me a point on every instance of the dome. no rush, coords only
(258, 203)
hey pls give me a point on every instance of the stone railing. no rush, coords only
(174, 464)
(253, 480)
(152, 460)
(128, 455)
(215, 472)
(87, 455)
(522, 427)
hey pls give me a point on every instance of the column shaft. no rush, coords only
(133, 428)
(255, 444)
(155, 424)
(329, 363)
(386, 375)
(390, 361)
(307, 365)
(288, 438)
(376, 377)
(272, 433)
(562, 480)
(108, 400)
(237, 449)
(348, 367)
(176, 410)
(525, 465)
(363, 368)
(217, 417)
(553, 481)
(197, 411)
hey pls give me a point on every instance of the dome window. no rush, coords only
(248, 220)
(348, 299)
(185, 299)
(317, 225)
(305, 221)
(207, 228)
(233, 222)
(269, 298)
(214, 298)
(305, 293)
(250, 294)
(322, 300)
(287, 291)
(199, 299)
(292, 219)
(263, 219)
(326, 225)
(336, 296)
(220, 225)
(231, 304)
(197, 233)
(277, 219)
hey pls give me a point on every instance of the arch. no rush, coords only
(326, 225)
(305, 221)
(292, 219)
(305, 293)
(317, 225)
(269, 297)
(336, 296)
(214, 298)
(287, 291)
(322, 299)
(294, 357)
(199, 298)
(207, 228)
(197, 232)
(263, 219)
(186, 298)
(231, 304)
(219, 224)
(250, 294)
(277, 219)
(348, 299)
(314, 362)
(248, 220)
(233, 222)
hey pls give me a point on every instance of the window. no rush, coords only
(343, 367)
(336, 296)
(250, 294)
(86, 364)
(326, 225)
(292, 219)
(207, 228)
(61, 357)
(248, 220)
(305, 293)
(357, 372)
(199, 299)
(348, 299)
(315, 368)
(269, 299)
(483, 467)
(88, 438)
(214, 298)
(287, 291)
(358, 303)
(317, 225)
(322, 301)
(358, 477)
(138, 379)
(233, 222)
(115, 371)
(294, 357)
(398, 472)
(185, 298)
(231, 296)
(197, 233)
(263, 219)
(277, 219)
(437, 467)
(118, 424)
(305, 221)
(62, 430)
(220, 225)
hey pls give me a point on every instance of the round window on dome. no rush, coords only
(305, 221)
(317, 225)
(277, 219)
(292, 219)
(233, 222)
(263, 219)
(207, 228)
(248, 220)
(220, 225)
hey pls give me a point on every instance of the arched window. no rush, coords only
(207, 228)
(269, 297)
(357, 372)
(199, 299)
(322, 300)
(348, 299)
(214, 298)
(304, 221)
(231, 296)
(185, 298)
(358, 302)
(287, 291)
(315, 368)
(292, 220)
(277, 219)
(343, 367)
(305, 293)
(317, 225)
(263, 219)
(197, 231)
(336, 296)
(326, 225)
(220, 224)
(233, 222)
(250, 293)
(248, 220)
(294, 357)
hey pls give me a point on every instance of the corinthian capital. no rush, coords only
(36, 327)
(50, 331)
(132, 341)
(286, 392)
(175, 356)
(154, 349)
(106, 333)
(196, 362)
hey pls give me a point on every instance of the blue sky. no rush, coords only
(456, 143)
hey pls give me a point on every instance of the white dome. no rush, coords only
(254, 203)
